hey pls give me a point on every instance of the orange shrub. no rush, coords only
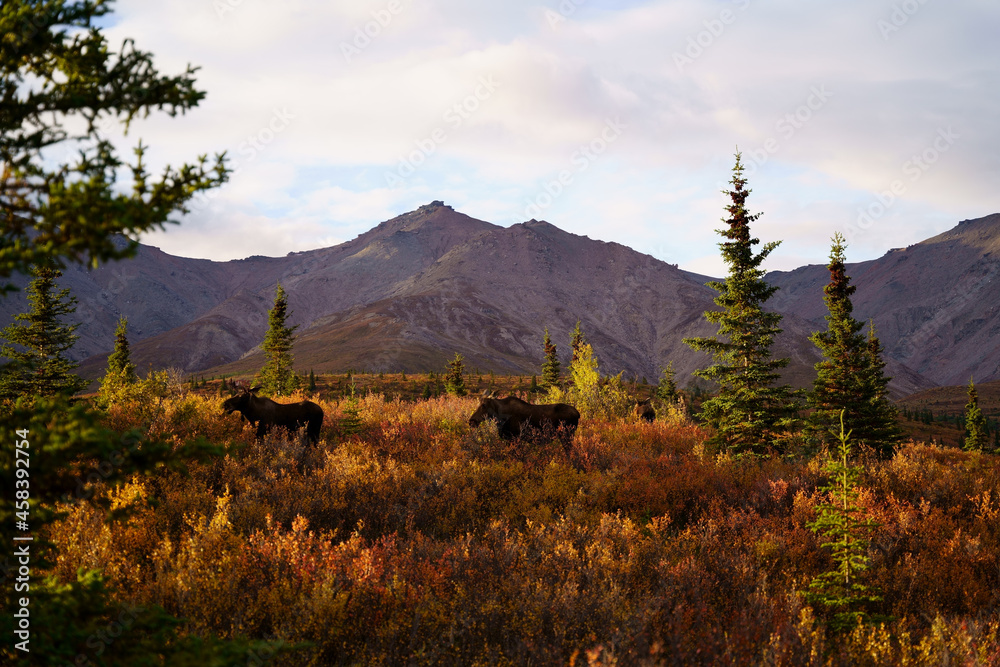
(420, 540)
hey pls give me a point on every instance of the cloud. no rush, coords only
(366, 89)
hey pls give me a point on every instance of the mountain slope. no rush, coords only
(491, 298)
(935, 304)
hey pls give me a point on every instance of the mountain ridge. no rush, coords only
(417, 288)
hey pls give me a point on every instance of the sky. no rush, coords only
(616, 120)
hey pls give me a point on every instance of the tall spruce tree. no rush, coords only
(63, 85)
(278, 378)
(38, 340)
(750, 411)
(850, 382)
(976, 435)
(550, 367)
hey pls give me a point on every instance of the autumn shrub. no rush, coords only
(421, 540)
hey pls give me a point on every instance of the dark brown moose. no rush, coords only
(266, 414)
(644, 410)
(516, 418)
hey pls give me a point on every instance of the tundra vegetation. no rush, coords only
(167, 533)
(411, 537)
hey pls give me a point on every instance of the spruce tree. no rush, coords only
(849, 379)
(876, 424)
(61, 80)
(311, 386)
(976, 434)
(38, 340)
(455, 381)
(841, 591)
(550, 368)
(278, 378)
(576, 341)
(351, 423)
(121, 373)
(749, 411)
(121, 370)
(666, 390)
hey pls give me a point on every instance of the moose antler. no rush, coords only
(237, 385)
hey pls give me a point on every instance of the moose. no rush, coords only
(644, 410)
(515, 418)
(266, 414)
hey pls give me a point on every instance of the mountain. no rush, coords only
(935, 304)
(414, 290)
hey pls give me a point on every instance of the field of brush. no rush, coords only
(419, 540)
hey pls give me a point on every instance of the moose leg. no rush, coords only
(313, 430)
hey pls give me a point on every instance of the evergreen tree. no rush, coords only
(576, 341)
(38, 340)
(277, 378)
(877, 421)
(533, 387)
(550, 368)
(976, 433)
(455, 381)
(666, 390)
(76, 210)
(749, 411)
(841, 590)
(311, 386)
(849, 379)
(351, 423)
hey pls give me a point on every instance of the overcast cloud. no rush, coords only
(618, 120)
